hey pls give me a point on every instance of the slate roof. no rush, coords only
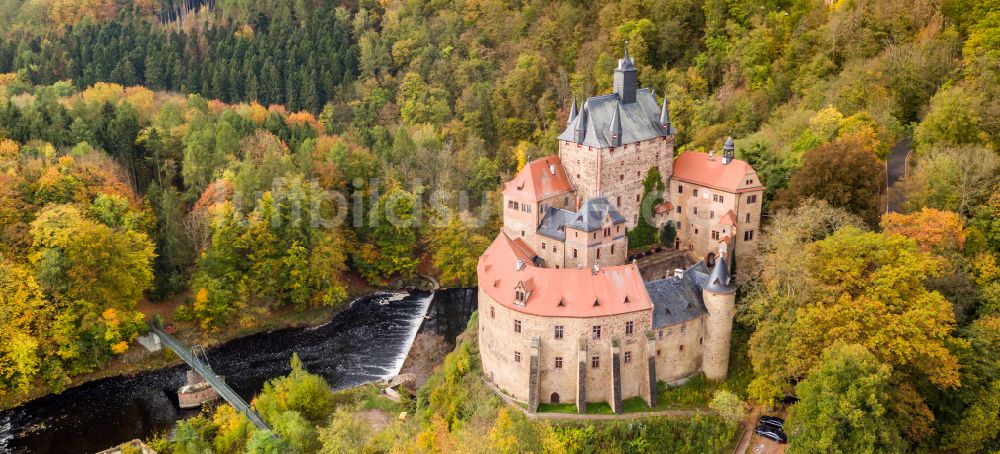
(720, 281)
(677, 300)
(640, 119)
(588, 218)
(553, 222)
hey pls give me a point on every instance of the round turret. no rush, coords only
(719, 295)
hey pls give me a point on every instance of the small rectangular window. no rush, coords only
(748, 235)
(680, 189)
(628, 357)
(558, 362)
(678, 209)
(695, 192)
(684, 328)
(629, 327)
(517, 357)
(752, 198)
(748, 217)
(574, 253)
(595, 332)
(711, 215)
(559, 332)
(517, 326)
(493, 312)
(595, 362)
(715, 234)
(661, 334)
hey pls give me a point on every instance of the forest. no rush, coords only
(201, 160)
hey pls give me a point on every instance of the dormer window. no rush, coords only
(521, 294)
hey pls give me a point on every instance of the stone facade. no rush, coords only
(677, 352)
(617, 173)
(563, 317)
(715, 217)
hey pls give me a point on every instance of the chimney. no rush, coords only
(596, 269)
(552, 169)
(678, 273)
(519, 265)
(711, 155)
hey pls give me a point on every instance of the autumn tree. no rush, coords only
(939, 232)
(23, 325)
(868, 288)
(844, 173)
(389, 239)
(952, 178)
(456, 249)
(777, 286)
(843, 405)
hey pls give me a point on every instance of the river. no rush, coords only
(367, 341)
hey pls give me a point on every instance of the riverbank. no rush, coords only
(137, 359)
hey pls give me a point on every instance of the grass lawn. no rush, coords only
(696, 392)
(557, 408)
(634, 405)
(599, 408)
(373, 399)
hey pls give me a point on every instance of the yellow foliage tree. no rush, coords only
(934, 230)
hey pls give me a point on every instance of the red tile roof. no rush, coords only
(697, 168)
(664, 207)
(728, 219)
(539, 180)
(553, 292)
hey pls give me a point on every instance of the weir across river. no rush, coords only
(203, 369)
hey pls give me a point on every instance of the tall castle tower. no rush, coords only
(719, 295)
(609, 146)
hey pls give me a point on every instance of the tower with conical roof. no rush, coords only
(719, 295)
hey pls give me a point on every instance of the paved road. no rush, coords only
(895, 169)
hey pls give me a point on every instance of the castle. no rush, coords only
(564, 317)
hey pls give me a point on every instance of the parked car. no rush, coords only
(772, 421)
(771, 433)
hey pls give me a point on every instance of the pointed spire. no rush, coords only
(572, 112)
(626, 78)
(580, 131)
(626, 61)
(665, 127)
(616, 127)
(720, 281)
